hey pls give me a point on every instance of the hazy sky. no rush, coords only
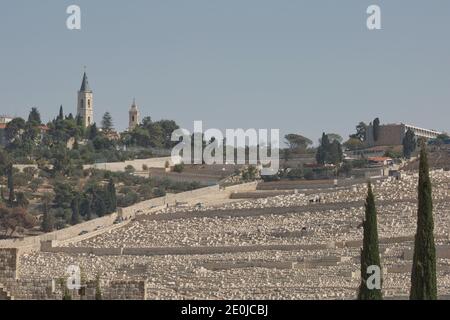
(301, 66)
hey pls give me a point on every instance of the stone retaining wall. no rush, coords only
(163, 251)
(214, 192)
(9, 260)
(190, 197)
(215, 266)
(51, 290)
(137, 164)
(33, 243)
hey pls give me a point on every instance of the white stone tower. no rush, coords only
(134, 116)
(85, 108)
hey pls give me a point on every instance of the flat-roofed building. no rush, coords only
(393, 134)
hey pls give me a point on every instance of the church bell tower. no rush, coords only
(85, 109)
(134, 116)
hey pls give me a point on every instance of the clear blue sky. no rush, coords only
(301, 66)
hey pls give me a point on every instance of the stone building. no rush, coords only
(393, 134)
(134, 116)
(85, 109)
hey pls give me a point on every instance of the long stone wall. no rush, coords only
(164, 251)
(213, 193)
(33, 243)
(12, 286)
(51, 290)
(191, 197)
(137, 164)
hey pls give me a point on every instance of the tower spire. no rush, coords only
(85, 83)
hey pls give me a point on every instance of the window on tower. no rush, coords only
(89, 103)
(82, 103)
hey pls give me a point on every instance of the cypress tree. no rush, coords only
(61, 113)
(98, 289)
(409, 144)
(93, 132)
(423, 276)
(12, 196)
(48, 223)
(111, 192)
(370, 255)
(89, 211)
(75, 211)
(376, 129)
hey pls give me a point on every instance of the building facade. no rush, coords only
(393, 134)
(85, 109)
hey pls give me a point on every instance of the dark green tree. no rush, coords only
(321, 155)
(48, 222)
(111, 191)
(297, 142)
(14, 130)
(423, 277)
(75, 206)
(376, 129)
(99, 205)
(361, 132)
(5, 160)
(21, 200)
(79, 121)
(370, 255)
(93, 132)
(107, 122)
(98, 289)
(85, 209)
(10, 174)
(409, 143)
(64, 194)
(329, 152)
(34, 117)
(61, 113)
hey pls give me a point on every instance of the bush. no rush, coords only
(250, 173)
(159, 192)
(128, 199)
(35, 184)
(30, 172)
(295, 174)
(130, 169)
(145, 191)
(309, 174)
(179, 168)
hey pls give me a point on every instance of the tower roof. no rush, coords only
(85, 84)
(133, 106)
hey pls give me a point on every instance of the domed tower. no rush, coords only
(134, 116)
(85, 109)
